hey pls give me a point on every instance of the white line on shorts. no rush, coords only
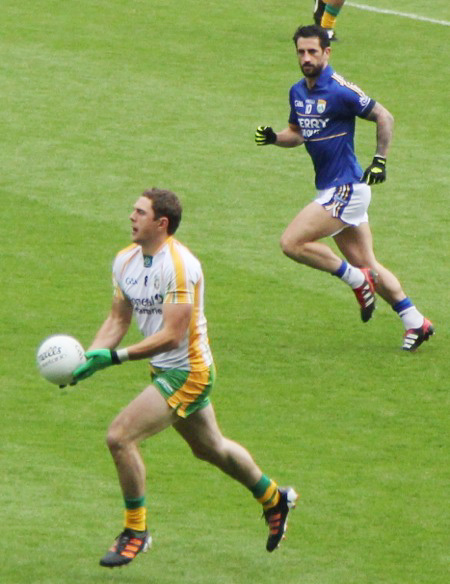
(395, 13)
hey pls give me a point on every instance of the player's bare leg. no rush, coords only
(145, 416)
(299, 240)
(299, 243)
(356, 244)
(203, 435)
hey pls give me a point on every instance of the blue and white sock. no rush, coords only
(350, 275)
(409, 314)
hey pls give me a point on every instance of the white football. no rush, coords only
(57, 358)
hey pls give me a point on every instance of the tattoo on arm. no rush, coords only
(385, 122)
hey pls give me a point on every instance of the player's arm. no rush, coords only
(115, 326)
(290, 137)
(176, 319)
(385, 125)
(376, 172)
(101, 352)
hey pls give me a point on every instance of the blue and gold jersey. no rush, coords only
(326, 116)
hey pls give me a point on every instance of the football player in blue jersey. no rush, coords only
(323, 110)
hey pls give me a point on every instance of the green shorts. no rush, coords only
(185, 391)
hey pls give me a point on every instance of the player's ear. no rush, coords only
(164, 222)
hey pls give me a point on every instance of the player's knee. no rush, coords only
(208, 451)
(115, 439)
(287, 244)
(292, 246)
(201, 453)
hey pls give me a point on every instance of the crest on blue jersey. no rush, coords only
(321, 105)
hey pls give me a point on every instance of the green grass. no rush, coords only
(103, 99)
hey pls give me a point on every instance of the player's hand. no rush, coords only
(376, 172)
(265, 135)
(96, 360)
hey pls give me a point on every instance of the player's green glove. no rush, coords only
(376, 172)
(96, 360)
(265, 135)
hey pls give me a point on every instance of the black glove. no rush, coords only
(376, 172)
(265, 135)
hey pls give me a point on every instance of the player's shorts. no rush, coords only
(349, 202)
(185, 391)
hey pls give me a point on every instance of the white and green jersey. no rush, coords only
(173, 275)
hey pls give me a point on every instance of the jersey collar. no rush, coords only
(323, 78)
(150, 260)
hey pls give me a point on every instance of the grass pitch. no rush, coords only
(103, 99)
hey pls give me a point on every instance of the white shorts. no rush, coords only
(349, 202)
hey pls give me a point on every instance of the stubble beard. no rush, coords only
(313, 71)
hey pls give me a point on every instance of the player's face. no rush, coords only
(144, 227)
(311, 57)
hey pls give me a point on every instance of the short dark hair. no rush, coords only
(312, 30)
(165, 204)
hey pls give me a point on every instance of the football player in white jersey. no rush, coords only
(161, 282)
